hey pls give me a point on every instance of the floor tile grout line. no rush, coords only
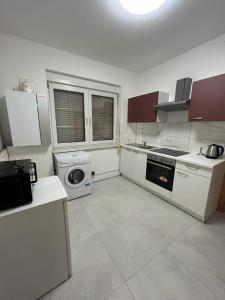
(115, 265)
(98, 234)
(124, 284)
(148, 263)
(90, 220)
(165, 248)
(131, 291)
(180, 235)
(189, 271)
(140, 223)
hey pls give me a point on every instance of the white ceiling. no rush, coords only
(102, 30)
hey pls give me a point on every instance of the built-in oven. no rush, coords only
(160, 171)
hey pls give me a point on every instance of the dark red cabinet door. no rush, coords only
(132, 109)
(141, 108)
(208, 99)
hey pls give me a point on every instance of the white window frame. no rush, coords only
(115, 104)
(53, 117)
(87, 115)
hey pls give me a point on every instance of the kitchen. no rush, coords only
(21, 57)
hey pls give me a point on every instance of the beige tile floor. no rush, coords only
(128, 244)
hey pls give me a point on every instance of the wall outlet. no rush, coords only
(167, 141)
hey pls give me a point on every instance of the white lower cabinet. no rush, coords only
(196, 188)
(191, 191)
(133, 165)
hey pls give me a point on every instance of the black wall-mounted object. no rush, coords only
(183, 89)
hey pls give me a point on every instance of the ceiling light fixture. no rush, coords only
(141, 7)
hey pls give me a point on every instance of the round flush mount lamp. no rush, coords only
(141, 7)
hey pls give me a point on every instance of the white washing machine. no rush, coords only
(74, 171)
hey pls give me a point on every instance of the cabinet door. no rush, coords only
(133, 165)
(126, 162)
(141, 108)
(133, 109)
(191, 191)
(146, 109)
(23, 118)
(138, 167)
(208, 99)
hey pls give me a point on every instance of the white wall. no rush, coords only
(201, 62)
(21, 58)
(26, 59)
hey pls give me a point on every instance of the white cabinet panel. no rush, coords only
(139, 167)
(21, 126)
(191, 191)
(133, 165)
(126, 162)
(33, 252)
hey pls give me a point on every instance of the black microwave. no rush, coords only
(16, 178)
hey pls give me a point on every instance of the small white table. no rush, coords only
(35, 250)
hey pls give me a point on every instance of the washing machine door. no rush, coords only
(75, 177)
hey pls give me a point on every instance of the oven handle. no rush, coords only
(159, 165)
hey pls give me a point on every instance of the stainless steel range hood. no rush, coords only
(173, 106)
(182, 101)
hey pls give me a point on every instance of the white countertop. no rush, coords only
(46, 190)
(191, 158)
(201, 160)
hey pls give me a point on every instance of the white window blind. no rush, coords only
(69, 114)
(102, 118)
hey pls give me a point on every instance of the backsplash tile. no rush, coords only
(180, 143)
(154, 140)
(214, 131)
(176, 129)
(186, 136)
(195, 145)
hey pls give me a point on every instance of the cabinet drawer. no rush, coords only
(189, 167)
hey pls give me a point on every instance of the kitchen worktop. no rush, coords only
(192, 158)
(46, 190)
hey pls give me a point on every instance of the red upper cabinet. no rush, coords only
(141, 108)
(208, 99)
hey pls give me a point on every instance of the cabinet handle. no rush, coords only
(197, 118)
(182, 174)
(192, 167)
(86, 121)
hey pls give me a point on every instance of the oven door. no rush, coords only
(160, 174)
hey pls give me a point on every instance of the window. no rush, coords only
(82, 116)
(69, 115)
(102, 116)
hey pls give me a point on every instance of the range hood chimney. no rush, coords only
(182, 97)
(183, 89)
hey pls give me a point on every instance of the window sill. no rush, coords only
(57, 149)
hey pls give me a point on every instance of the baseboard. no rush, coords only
(107, 175)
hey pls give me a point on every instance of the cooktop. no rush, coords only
(170, 152)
